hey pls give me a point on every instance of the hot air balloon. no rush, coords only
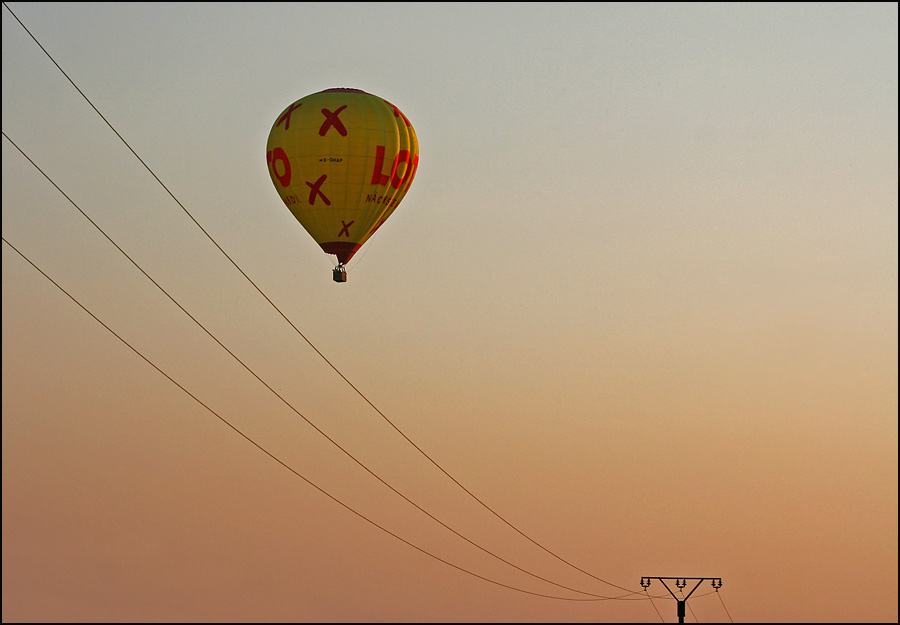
(342, 160)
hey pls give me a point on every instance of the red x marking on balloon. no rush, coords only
(331, 119)
(286, 118)
(314, 186)
(345, 229)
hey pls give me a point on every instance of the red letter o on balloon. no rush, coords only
(278, 155)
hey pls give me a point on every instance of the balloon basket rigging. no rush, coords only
(340, 273)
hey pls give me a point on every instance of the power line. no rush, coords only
(297, 330)
(273, 391)
(662, 620)
(690, 609)
(270, 454)
(719, 595)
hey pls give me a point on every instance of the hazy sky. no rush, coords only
(640, 300)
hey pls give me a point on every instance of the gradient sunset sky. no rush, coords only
(640, 302)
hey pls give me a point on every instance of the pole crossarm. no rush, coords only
(680, 584)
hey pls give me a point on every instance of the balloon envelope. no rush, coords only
(342, 160)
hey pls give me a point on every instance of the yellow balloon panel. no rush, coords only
(342, 160)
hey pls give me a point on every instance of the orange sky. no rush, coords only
(641, 300)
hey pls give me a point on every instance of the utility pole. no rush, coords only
(680, 583)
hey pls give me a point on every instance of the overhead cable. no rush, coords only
(299, 333)
(273, 456)
(283, 400)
